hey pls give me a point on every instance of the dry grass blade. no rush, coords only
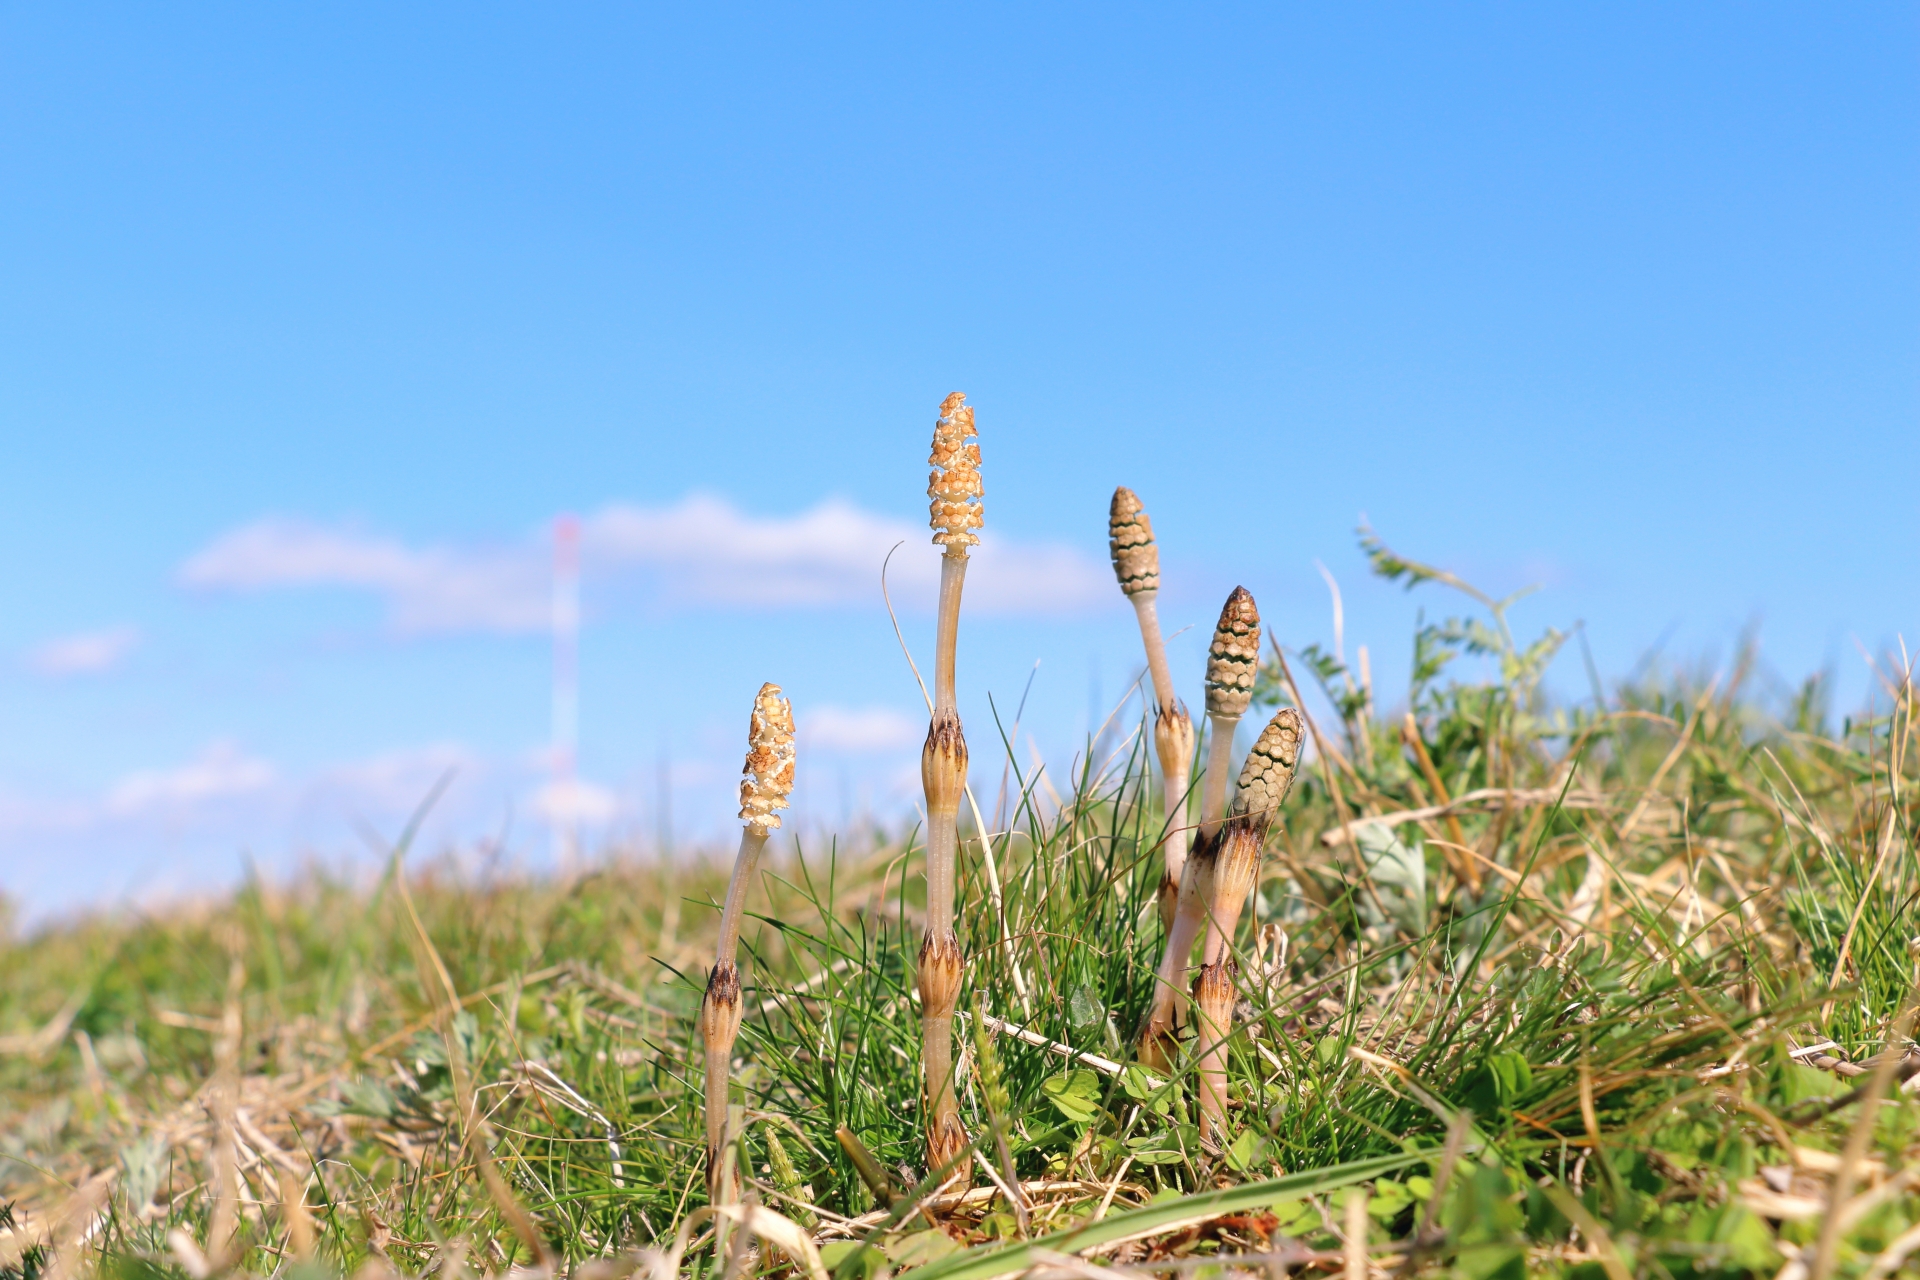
(757, 1220)
(477, 1137)
(222, 1103)
(1861, 1136)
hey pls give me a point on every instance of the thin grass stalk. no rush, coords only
(1892, 1051)
(224, 1190)
(765, 787)
(1136, 563)
(1264, 782)
(954, 492)
(999, 1105)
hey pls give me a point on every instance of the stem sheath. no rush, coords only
(720, 1012)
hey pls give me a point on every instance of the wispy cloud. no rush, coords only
(426, 588)
(397, 780)
(179, 827)
(221, 772)
(576, 800)
(87, 653)
(707, 551)
(701, 552)
(831, 728)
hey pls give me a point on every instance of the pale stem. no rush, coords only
(720, 1178)
(936, 1055)
(752, 840)
(1213, 798)
(944, 773)
(1169, 985)
(1173, 768)
(953, 574)
(1143, 605)
(943, 840)
(1177, 834)
(1213, 1068)
(1176, 767)
(1219, 932)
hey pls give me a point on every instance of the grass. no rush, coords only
(1613, 1010)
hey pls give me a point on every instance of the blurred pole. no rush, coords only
(664, 831)
(566, 688)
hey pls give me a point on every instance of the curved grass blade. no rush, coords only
(1169, 1216)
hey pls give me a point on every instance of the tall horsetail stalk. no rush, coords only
(1264, 782)
(766, 785)
(1136, 563)
(955, 512)
(1232, 660)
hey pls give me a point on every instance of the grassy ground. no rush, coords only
(1597, 989)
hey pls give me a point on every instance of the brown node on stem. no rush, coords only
(941, 966)
(1236, 866)
(1213, 998)
(1173, 734)
(1233, 658)
(954, 487)
(1213, 993)
(1173, 740)
(1203, 859)
(943, 762)
(768, 780)
(1136, 558)
(720, 1008)
(947, 1146)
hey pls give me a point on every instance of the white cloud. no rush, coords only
(699, 552)
(575, 800)
(830, 728)
(426, 589)
(40, 814)
(707, 551)
(87, 653)
(221, 772)
(398, 780)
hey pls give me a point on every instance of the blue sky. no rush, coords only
(315, 317)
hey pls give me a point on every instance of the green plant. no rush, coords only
(1235, 851)
(955, 492)
(1136, 563)
(1233, 660)
(1699, 1074)
(765, 786)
